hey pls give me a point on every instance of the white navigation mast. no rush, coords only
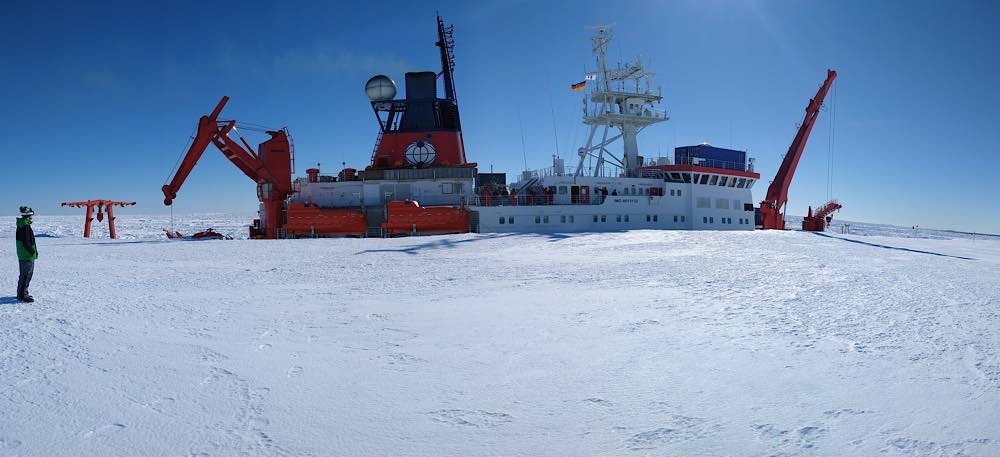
(620, 98)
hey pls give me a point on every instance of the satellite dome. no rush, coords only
(380, 88)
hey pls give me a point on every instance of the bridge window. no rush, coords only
(687, 177)
(715, 179)
(722, 180)
(704, 179)
(742, 183)
(732, 182)
(696, 176)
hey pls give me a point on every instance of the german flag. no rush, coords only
(578, 86)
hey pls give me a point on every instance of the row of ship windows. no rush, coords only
(712, 180)
(724, 220)
(722, 203)
(562, 190)
(597, 218)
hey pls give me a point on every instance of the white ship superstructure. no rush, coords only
(702, 187)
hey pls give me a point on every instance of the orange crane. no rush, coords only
(270, 167)
(101, 205)
(772, 208)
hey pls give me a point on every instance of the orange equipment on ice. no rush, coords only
(817, 221)
(101, 206)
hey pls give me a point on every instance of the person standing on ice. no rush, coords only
(27, 253)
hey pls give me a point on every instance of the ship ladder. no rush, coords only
(474, 221)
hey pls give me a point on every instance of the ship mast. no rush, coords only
(619, 99)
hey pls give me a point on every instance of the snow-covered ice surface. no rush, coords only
(632, 343)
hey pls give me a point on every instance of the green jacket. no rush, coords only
(25, 239)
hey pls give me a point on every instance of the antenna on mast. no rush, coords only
(446, 41)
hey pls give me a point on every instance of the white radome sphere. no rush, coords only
(380, 88)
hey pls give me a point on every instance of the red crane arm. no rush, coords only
(211, 131)
(207, 130)
(777, 192)
(244, 159)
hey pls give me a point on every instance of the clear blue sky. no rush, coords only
(99, 100)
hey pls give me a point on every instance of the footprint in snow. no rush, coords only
(295, 371)
(598, 401)
(470, 418)
(103, 430)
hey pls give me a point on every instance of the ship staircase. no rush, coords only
(474, 221)
(378, 141)
(375, 216)
(523, 186)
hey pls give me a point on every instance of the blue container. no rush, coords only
(711, 156)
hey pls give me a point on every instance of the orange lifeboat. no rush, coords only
(311, 220)
(409, 218)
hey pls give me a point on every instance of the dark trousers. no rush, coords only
(27, 269)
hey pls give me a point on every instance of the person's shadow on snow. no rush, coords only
(9, 301)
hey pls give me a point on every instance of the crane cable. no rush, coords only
(180, 156)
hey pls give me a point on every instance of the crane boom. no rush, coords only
(269, 167)
(772, 209)
(206, 128)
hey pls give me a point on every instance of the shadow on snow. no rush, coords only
(446, 243)
(895, 248)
